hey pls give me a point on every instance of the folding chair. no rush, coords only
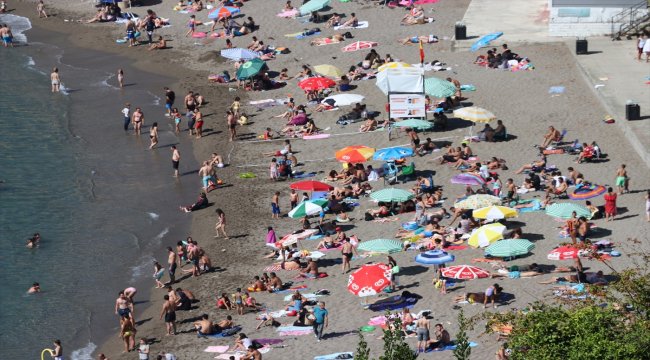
(389, 173)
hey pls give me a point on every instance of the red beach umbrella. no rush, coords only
(566, 252)
(355, 154)
(316, 83)
(311, 185)
(465, 272)
(369, 280)
(359, 45)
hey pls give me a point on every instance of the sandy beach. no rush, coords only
(520, 99)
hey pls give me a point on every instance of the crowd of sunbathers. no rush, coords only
(506, 59)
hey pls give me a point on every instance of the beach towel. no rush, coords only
(303, 175)
(316, 237)
(360, 25)
(335, 356)
(279, 313)
(296, 332)
(455, 247)
(406, 299)
(291, 289)
(468, 87)
(288, 14)
(450, 347)
(228, 355)
(217, 349)
(225, 333)
(309, 296)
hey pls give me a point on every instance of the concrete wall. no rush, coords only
(581, 21)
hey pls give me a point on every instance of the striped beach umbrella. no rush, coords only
(359, 45)
(391, 195)
(328, 70)
(494, 212)
(510, 248)
(478, 201)
(474, 114)
(434, 257)
(394, 65)
(438, 88)
(564, 210)
(486, 235)
(306, 208)
(355, 154)
(465, 272)
(384, 246)
(416, 124)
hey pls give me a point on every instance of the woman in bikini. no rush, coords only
(138, 120)
(153, 135)
(336, 38)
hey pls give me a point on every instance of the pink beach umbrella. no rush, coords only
(468, 179)
(359, 45)
(465, 272)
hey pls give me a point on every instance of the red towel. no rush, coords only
(456, 247)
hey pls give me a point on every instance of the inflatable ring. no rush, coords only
(367, 328)
(43, 353)
(587, 192)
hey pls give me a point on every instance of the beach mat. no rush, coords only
(456, 247)
(360, 25)
(268, 341)
(225, 333)
(450, 347)
(335, 356)
(405, 300)
(217, 349)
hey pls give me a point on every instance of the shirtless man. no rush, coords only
(176, 158)
(422, 331)
(257, 284)
(190, 102)
(161, 44)
(55, 78)
(232, 124)
(352, 21)
(311, 270)
(252, 354)
(198, 117)
(172, 294)
(137, 119)
(552, 135)
(204, 326)
(205, 172)
(35, 288)
(347, 251)
(124, 306)
(227, 323)
(415, 140)
(169, 312)
(172, 264)
(7, 36)
(622, 179)
(275, 283)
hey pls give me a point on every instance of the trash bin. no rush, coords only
(461, 32)
(632, 111)
(581, 46)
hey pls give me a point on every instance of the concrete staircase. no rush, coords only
(631, 21)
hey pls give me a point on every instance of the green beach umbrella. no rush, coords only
(438, 88)
(313, 5)
(509, 248)
(250, 68)
(414, 124)
(384, 246)
(391, 195)
(306, 208)
(564, 210)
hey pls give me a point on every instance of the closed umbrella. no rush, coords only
(239, 54)
(486, 235)
(478, 201)
(392, 153)
(465, 272)
(328, 70)
(485, 40)
(311, 185)
(343, 99)
(587, 192)
(391, 195)
(393, 65)
(359, 45)
(564, 210)
(494, 212)
(384, 246)
(468, 179)
(250, 68)
(316, 83)
(306, 208)
(434, 257)
(414, 124)
(223, 12)
(438, 88)
(369, 279)
(509, 248)
(355, 154)
(564, 253)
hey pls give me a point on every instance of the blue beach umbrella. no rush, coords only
(485, 40)
(239, 53)
(434, 257)
(392, 153)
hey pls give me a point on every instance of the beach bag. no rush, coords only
(368, 217)
(311, 32)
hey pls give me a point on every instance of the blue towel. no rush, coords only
(304, 36)
(451, 347)
(303, 175)
(224, 333)
(341, 355)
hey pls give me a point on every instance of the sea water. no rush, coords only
(104, 204)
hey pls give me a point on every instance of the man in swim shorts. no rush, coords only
(621, 179)
(170, 96)
(169, 312)
(176, 158)
(275, 206)
(123, 306)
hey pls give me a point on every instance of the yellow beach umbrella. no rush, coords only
(474, 114)
(328, 70)
(494, 213)
(394, 65)
(486, 235)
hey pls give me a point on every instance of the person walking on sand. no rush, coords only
(622, 179)
(321, 320)
(610, 204)
(40, 9)
(158, 272)
(120, 78)
(153, 135)
(232, 124)
(168, 311)
(127, 333)
(221, 224)
(171, 265)
(57, 354)
(138, 120)
(176, 159)
(275, 205)
(126, 111)
(346, 251)
(56, 80)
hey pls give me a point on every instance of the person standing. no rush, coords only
(127, 333)
(56, 80)
(232, 124)
(176, 159)
(621, 179)
(198, 126)
(347, 250)
(171, 265)
(422, 331)
(321, 320)
(40, 9)
(143, 350)
(275, 205)
(120, 78)
(130, 33)
(169, 313)
(221, 224)
(610, 204)
(170, 96)
(153, 135)
(138, 120)
(58, 350)
(127, 116)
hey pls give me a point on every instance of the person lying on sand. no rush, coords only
(426, 39)
(517, 271)
(334, 39)
(533, 166)
(490, 294)
(161, 44)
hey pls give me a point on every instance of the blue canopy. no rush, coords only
(434, 257)
(392, 153)
(485, 40)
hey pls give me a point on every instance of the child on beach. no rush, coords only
(158, 272)
(120, 78)
(192, 25)
(239, 301)
(177, 120)
(275, 206)
(234, 107)
(40, 9)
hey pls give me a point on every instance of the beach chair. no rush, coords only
(408, 171)
(389, 173)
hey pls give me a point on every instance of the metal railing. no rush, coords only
(629, 19)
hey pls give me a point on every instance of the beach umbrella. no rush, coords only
(494, 212)
(438, 88)
(328, 70)
(306, 208)
(468, 179)
(343, 99)
(355, 154)
(434, 257)
(564, 210)
(485, 40)
(478, 201)
(311, 185)
(564, 253)
(465, 272)
(239, 53)
(509, 248)
(316, 83)
(391, 195)
(369, 279)
(384, 246)
(587, 192)
(392, 153)
(313, 5)
(486, 235)
(359, 45)
(474, 114)
(394, 65)
(223, 12)
(250, 68)
(414, 124)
